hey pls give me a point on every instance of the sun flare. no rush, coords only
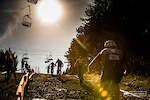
(49, 10)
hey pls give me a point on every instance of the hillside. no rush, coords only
(68, 87)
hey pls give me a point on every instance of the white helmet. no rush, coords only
(110, 44)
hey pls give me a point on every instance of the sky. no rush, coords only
(43, 38)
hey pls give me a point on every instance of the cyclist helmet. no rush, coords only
(110, 44)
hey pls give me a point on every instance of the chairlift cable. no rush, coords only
(40, 54)
(15, 12)
(38, 50)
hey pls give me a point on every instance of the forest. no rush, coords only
(125, 21)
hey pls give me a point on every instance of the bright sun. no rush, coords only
(49, 10)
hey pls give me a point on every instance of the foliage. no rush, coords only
(3, 57)
(135, 83)
(126, 21)
(8, 91)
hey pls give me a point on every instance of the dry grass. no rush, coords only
(8, 90)
(128, 83)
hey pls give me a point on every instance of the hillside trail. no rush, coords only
(67, 87)
(64, 87)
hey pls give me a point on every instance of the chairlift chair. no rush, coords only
(50, 59)
(25, 57)
(47, 61)
(33, 1)
(26, 61)
(27, 21)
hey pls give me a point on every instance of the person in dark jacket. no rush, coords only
(60, 64)
(114, 65)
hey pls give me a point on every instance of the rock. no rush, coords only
(50, 88)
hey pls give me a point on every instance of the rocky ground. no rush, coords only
(67, 87)
(46, 87)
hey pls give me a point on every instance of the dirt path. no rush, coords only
(47, 87)
(65, 87)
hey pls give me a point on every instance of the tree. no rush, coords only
(125, 21)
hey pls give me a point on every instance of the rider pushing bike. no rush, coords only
(114, 64)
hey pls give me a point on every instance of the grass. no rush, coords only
(128, 83)
(8, 90)
(135, 83)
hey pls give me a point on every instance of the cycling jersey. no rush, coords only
(110, 55)
(113, 64)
